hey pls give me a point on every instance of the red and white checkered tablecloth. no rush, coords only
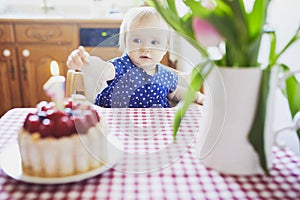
(153, 166)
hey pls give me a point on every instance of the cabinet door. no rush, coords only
(10, 92)
(34, 64)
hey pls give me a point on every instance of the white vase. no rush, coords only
(229, 110)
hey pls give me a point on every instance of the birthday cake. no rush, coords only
(58, 143)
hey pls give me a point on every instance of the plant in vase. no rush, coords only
(210, 21)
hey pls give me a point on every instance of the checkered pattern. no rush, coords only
(178, 175)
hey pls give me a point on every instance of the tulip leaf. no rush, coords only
(183, 25)
(291, 91)
(293, 94)
(199, 73)
(257, 17)
(256, 135)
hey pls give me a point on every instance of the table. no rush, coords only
(153, 167)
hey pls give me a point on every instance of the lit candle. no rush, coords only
(55, 86)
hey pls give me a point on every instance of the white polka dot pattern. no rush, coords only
(132, 87)
(186, 178)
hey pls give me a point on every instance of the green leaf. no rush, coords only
(256, 134)
(293, 94)
(197, 9)
(257, 18)
(273, 41)
(172, 6)
(169, 14)
(199, 73)
(292, 41)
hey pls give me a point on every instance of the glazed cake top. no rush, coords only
(47, 121)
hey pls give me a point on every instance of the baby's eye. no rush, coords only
(154, 42)
(137, 40)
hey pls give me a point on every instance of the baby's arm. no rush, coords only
(91, 66)
(182, 87)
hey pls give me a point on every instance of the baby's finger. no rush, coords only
(71, 65)
(82, 53)
(77, 60)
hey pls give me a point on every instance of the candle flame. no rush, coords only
(54, 68)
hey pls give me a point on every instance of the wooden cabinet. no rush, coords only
(35, 69)
(10, 92)
(26, 52)
(37, 46)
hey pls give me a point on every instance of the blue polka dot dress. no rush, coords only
(132, 87)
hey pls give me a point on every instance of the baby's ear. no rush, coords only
(122, 41)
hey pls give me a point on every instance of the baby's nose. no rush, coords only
(145, 49)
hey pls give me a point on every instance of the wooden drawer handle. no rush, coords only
(43, 37)
(26, 53)
(6, 53)
(24, 69)
(12, 69)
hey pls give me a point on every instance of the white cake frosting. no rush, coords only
(63, 156)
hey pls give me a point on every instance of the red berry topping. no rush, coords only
(48, 106)
(50, 122)
(54, 115)
(32, 123)
(69, 103)
(63, 127)
(42, 105)
(26, 120)
(81, 124)
(46, 128)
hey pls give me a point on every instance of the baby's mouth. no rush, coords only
(145, 57)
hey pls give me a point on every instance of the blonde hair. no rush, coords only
(137, 16)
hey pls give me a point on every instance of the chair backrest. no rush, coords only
(78, 83)
(74, 83)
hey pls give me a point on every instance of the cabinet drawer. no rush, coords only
(6, 33)
(49, 33)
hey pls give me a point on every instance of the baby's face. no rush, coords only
(146, 46)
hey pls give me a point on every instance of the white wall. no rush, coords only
(285, 18)
(65, 6)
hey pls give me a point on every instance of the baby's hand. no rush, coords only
(77, 58)
(199, 98)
